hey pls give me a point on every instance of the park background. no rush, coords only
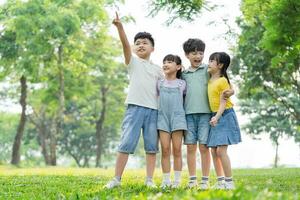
(63, 81)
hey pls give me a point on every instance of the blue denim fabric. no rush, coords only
(139, 118)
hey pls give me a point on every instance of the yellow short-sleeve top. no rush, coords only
(215, 89)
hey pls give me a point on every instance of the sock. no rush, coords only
(204, 179)
(220, 178)
(228, 179)
(166, 177)
(177, 176)
(118, 178)
(149, 178)
(193, 178)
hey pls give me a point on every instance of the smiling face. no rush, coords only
(143, 48)
(195, 58)
(170, 67)
(214, 67)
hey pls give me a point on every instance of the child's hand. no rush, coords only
(117, 21)
(213, 121)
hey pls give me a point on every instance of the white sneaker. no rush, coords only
(204, 185)
(192, 184)
(150, 184)
(112, 184)
(165, 184)
(229, 185)
(220, 185)
(175, 184)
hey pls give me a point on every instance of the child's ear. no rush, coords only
(221, 65)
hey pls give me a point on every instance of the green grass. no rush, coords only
(73, 183)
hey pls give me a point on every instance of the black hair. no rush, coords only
(177, 60)
(192, 45)
(222, 58)
(144, 35)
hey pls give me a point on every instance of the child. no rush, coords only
(198, 113)
(225, 129)
(141, 103)
(171, 118)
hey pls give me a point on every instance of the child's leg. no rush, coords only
(218, 168)
(205, 166)
(122, 159)
(222, 153)
(150, 136)
(191, 159)
(205, 159)
(176, 147)
(165, 142)
(217, 163)
(150, 163)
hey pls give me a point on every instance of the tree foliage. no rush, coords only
(268, 62)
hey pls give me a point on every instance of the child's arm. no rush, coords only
(214, 120)
(123, 38)
(228, 93)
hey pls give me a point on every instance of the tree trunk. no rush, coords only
(276, 154)
(43, 143)
(99, 126)
(15, 160)
(60, 112)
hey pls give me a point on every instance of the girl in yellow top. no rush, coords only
(224, 126)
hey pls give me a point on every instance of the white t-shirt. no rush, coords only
(143, 75)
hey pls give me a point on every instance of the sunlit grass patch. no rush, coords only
(76, 183)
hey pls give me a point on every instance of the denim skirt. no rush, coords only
(227, 130)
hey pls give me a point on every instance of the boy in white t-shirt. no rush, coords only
(142, 104)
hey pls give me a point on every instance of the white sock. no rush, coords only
(166, 177)
(228, 179)
(204, 179)
(118, 178)
(193, 178)
(220, 178)
(149, 178)
(177, 176)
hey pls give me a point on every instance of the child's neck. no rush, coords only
(170, 77)
(146, 58)
(215, 76)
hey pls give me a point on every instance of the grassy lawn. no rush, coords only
(73, 183)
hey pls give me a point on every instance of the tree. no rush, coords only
(41, 36)
(179, 9)
(269, 69)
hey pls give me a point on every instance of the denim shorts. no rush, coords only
(139, 118)
(227, 130)
(198, 128)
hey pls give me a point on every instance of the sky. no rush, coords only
(249, 153)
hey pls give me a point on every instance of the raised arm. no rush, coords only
(123, 38)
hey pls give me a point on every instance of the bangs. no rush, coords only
(173, 58)
(215, 56)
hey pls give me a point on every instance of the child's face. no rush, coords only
(143, 48)
(170, 67)
(214, 67)
(195, 58)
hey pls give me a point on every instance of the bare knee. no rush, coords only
(203, 149)
(191, 149)
(221, 152)
(214, 152)
(177, 152)
(166, 151)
